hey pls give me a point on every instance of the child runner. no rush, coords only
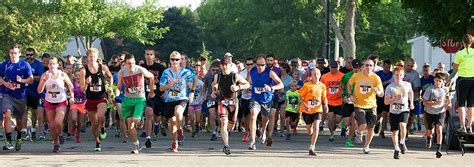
(292, 107)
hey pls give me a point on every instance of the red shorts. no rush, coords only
(91, 105)
(52, 106)
(81, 108)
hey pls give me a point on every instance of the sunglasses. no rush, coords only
(29, 54)
(369, 65)
(175, 59)
(197, 65)
(149, 54)
(215, 70)
(250, 64)
(261, 65)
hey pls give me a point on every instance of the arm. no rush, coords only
(325, 101)
(170, 82)
(277, 80)
(410, 99)
(455, 70)
(120, 81)
(69, 84)
(151, 78)
(41, 85)
(82, 80)
(214, 87)
(108, 76)
(243, 84)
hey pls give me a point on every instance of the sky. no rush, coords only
(170, 3)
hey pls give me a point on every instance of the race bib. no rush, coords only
(260, 90)
(53, 95)
(77, 100)
(398, 106)
(95, 88)
(147, 88)
(211, 103)
(228, 102)
(365, 89)
(173, 93)
(333, 90)
(133, 90)
(313, 103)
(293, 106)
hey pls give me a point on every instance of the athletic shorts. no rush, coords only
(1, 106)
(32, 102)
(155, 104)
(433, 119)
(41, 103)
(244, 108)
(396, 119)
(81, 108)
(310, 118)
(117, 100)
(195, 107)
(91, 105)
(53, 106)
(381, 107)
(292, 115)
(347, 110)
(276, 103)
(231, 105)
(262, 108)
(335, 109)
(465, 91)
(133, 107)
(14, 105)
(170, 106)
(418, 110)
(366, 116)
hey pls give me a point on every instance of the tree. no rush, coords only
(443, 18)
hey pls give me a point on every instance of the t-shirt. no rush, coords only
(332, 82)
(286, 85)
(345, 70)
(313, 95)
(293, 101)
(363, 89)
(247, 95)
(426, 83)
(178, 91)
(465, 59)
(414, 78)
(133, 80)
(384, 76)
(156, 69)
(37, 69)
(434, 94)
(9, 71)
(114, 69)
(198, 93)
(120, 96)
(345, 79)
(208, 79)
(394, 89)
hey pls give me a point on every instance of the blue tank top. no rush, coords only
(258, 83)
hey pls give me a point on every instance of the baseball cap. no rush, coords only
(320, 59)
(225, 60)
(356, 63)
(228, 55)
(333, 64)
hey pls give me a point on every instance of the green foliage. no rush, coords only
(443, 18)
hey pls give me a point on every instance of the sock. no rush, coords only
(147, 137)
(33, 130)
(97, 144)
(343, 125)
(397, 148)
(102, 130)
(18, 134)
(137, 143)
(311, 147)
(9, 137)
(402, 141)
(438, 148)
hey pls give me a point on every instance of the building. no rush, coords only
(424, 53)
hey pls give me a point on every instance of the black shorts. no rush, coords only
(211, 103)
(433, 119)
(366, 116)
(335, 109)
(465, 91)
(396, 119)
(155, 104)
(169, 111)
(262, 108)
(244, 108)
(32, 102)
(310, 118)
(275, 104)
(381, 107)
(347, 110)
(293, 116)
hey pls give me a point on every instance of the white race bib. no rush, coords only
(133, 90)
(52, 95)
(147, 88)
(333, 90)
(228, 102)
(95, 88)
(173, 93)
(398, 106)
(77, 100)
(313, 103)
(365, 89)
(259, 90)
(211, 103)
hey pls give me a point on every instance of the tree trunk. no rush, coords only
(347, 41)
(77, 46)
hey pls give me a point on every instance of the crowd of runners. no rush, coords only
(260, 97)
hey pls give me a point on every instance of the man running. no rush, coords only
(270, 121)
(382, 109)
(244, 101)
(32, 96)
(93, 78)
(348, 105)
(367, 85)
(210, 103)
(334, 96)
(175, 82)
(261, 78)
(226, 84)
(133, 104)
(15, 73)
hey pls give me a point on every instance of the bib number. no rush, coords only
(53, 95)
(313, 103)
(260, 90)
(228, 102)
(397, 106)
(77, 100)
(364, 89)
(147, 88)
(211, 103)
(133, 90)
(333, 90)
(173, 93)
(95, 88)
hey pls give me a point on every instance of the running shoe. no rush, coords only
(258, 133)
(332, 137)
(214, 137)
(288, 136)
(78, 138)
(428, 142)
(377, 128)
(403, 148)
(18, 144)
(68, 137)
(136, 149)
(282, 134)
(226, 150)
(382, 134)
(174, 147)
(61, 139)
(312, 153)
(97, 148)
(103, 135)
(83, 129)
(117, 133)
(8, 146)
(269, 142)
(343, 133)
(468, 130)
(245, 137)
(396, 154)
(349, 143)
(366, 150)
(359, 138)
(252, 146)
(156, 129)
(56, 148)
(180, 137)
(263, 139)
(24, 135)
(125, 139)
(41, 137)
(148, 143)
(321, 130)
(438, 154)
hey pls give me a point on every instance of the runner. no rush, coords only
(244, 101)
(286, 78)
(399, 96)
(261, 79)
(122, 127)
(225, 85)
(134, 102)
(334, 96)
(93, 78)
(270, 121)
(54, 83)
(382, 109)
(16, 73)
(292, 109)
(194, 108)
(174, 82)
(412, 76)
(437, 101)
(32, 96)
(366, 85)
(152, 111)
(77, 110)
(210, 103)
(348, 106)
(313, 102)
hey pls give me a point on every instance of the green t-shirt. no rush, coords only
(293, 101)
(345, 79)
(465, 59)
